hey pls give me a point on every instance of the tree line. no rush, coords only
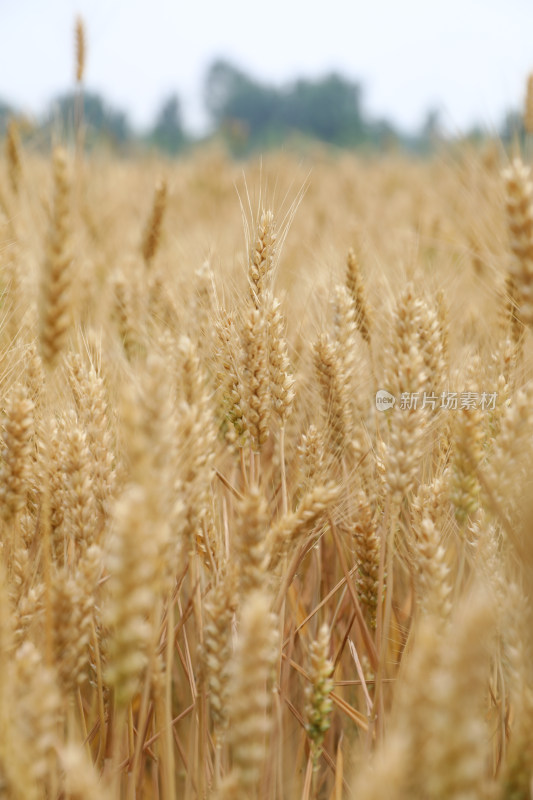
(249, 115)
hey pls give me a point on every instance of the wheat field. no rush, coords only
(265, 482)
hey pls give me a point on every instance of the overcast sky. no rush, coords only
(469, 58)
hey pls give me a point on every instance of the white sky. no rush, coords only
(470, 58)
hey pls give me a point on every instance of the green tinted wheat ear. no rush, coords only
(356, 289)
(319, 704)
(13, 155)
(518, 189)
(152, 233)
(55, 311)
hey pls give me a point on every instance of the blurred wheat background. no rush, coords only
(224, 572)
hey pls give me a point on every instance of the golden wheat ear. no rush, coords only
(262, 257)
(518, 189)
(56, 303)
(13, 151)
(81, 48)
(250, 720)
(357, 292)
(154, 226)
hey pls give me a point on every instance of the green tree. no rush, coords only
(100, 119)
(167, 133)
(6, 111)
(232, 97)
(328, 109)
(252, 114)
